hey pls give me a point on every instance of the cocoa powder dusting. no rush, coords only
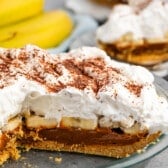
(55, 73)
(39, 68)
(134, 88)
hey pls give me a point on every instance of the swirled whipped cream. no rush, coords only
(151, 22)
(83, 83)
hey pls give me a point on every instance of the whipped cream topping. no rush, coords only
(149, 23)
(138, 4)
(83, 83)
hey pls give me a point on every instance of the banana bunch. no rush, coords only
(11, 12)
(45, 29)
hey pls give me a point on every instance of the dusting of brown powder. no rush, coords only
(36, 64)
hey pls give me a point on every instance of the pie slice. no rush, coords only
(80, 101)
(137, 33)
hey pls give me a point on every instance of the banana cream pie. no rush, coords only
(81, 101)
(137, 33)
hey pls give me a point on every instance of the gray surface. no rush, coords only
(159, 161)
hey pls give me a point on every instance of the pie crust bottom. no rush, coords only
(103, 142)
(116, 151)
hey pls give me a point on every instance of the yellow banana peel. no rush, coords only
(45, 30)
(14, 11)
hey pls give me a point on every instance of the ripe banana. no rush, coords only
(45, 30)
(13, 11)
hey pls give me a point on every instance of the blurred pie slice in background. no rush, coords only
(137, 36)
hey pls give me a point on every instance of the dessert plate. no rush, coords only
(43, 159)
(83, 24)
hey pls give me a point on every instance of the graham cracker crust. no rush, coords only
(8, 149)
(43, 139)
(116, 151)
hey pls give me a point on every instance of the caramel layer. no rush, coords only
(95, 137)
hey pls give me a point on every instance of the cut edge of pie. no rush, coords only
(73, 135)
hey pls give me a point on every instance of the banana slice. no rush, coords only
(87, 124)
(40, 122)
(135, 129)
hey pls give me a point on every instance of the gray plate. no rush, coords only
(46, 159)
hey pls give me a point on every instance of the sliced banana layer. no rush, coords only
(40, 122)
(75, 122)
(135, 129)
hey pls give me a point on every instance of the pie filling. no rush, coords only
(70, 135)
(101, 141)
(147, 54)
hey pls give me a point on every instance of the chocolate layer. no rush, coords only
(72, 136)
